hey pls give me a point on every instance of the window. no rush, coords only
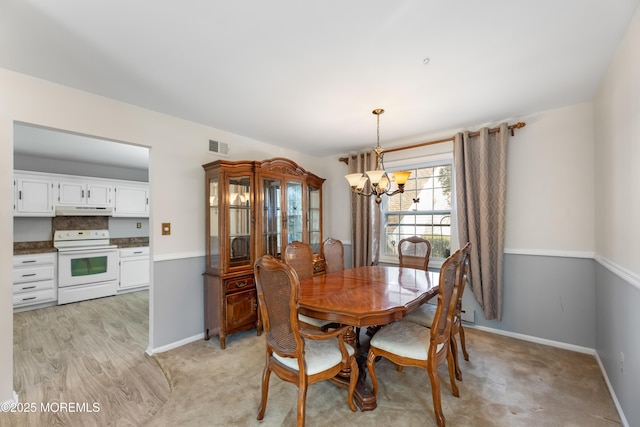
(424, 210)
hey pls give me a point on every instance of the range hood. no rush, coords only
(83, 211)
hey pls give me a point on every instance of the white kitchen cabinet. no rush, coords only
(34, 279)
(33, 195)
(134, 268)
(131, 200)
(39, 193)
(83, 193)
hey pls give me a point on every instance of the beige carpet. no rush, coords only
(507, 382)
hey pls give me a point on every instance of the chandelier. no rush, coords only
(377, 182)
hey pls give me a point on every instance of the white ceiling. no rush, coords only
(306, 75)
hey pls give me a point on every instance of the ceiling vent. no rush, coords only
(219, 148)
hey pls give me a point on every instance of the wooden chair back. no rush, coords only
(299, 256)
(277, 286)
(333, 252)
(414, 252)
(277, 289)
(405, 343)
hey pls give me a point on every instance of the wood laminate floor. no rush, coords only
(84, 364)
(93, 352)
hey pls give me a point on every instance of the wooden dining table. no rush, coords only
(362, 297)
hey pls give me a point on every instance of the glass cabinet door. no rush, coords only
(239, 221)
(214, 222)
(271, 217)
(315, 233)
(294, 212)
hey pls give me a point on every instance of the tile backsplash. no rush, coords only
(80, 223)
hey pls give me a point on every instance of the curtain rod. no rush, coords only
(512, 128)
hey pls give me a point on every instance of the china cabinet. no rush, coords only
(231, 303)
(253, 208)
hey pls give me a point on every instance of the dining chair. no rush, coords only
(414, 252)
(333, 252)
(411, 344)
(299, 256)
(296, 355)
(424, 315)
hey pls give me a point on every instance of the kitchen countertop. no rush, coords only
(29, 248)
(130, 242)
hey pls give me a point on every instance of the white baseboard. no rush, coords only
(11, 401)
(176, 344)
(623, 419)
(565, 346)
(530, 338)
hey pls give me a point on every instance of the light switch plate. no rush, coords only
(166, 228)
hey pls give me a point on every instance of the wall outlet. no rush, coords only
(138, 225)
(468, 315)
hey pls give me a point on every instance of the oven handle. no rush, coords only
(78, 251)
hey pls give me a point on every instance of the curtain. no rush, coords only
(481, 182)
(365, 216)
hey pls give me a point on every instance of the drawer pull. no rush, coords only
(27, 261)
(28, 298)
(28, 287)
(29, 275)
(242, 284)
(137, 252)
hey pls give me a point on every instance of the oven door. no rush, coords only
(81, 266)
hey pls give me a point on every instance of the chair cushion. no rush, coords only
(319, 355)
(423, 315)
(406, 339)
(312, 321)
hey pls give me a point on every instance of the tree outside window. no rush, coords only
(424, 210)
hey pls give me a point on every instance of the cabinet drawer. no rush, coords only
(32, 274)
(238, 284)
(35, 259)
(32, 286)
(34, 297)
(129, 252)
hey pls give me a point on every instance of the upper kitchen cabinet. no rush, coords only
(41, 194)
(83, 193)
(33, 195)
(131, 200)
(290, 201)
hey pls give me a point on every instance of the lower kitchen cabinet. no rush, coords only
(231, 305)
(134, 269)
(34, 279)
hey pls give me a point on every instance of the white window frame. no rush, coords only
(423, 162)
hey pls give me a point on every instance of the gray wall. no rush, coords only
(547, 297)
(39, 164)
(618, 331)
(178, 294)
(28, 229)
